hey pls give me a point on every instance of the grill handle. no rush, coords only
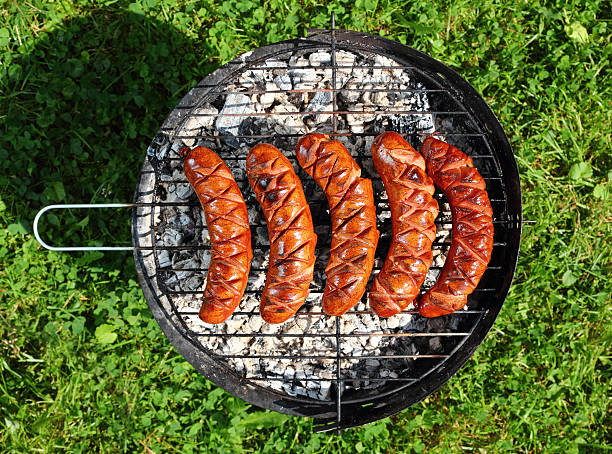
(80, 206)
(103, 205)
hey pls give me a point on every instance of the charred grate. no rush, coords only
(401, 361)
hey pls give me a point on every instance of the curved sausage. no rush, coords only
(413, 211)
(228, 227)
(472, 235)
(353, 217)
(292, 238)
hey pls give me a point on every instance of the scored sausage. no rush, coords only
(472, 235)
(413, 211)
(292, 238)
(228, 228)
(353, 217)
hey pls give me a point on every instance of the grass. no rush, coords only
(85, 85)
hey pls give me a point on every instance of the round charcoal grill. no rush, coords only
(319, 366)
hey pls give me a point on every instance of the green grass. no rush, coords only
(85, 85)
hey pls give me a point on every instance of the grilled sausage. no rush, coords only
(228, 227)
(413, 211)
(353, 217)
(292, 239)
(472, 235)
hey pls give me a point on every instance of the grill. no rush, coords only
(344, 371)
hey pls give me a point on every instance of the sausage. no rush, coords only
(353, 217)
(292, 238)
(413, 211)
(228, 227)
(472, 235)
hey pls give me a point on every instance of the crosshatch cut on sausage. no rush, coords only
(292, 238)
(353, 217)
(227, 221)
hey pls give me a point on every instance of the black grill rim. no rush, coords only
(354, 414)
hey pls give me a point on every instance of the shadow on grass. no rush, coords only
(81, 108)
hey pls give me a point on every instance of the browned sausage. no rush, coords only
(413, 211)
(353, 217)
(292, 238)
(228, 227)
(472, 236)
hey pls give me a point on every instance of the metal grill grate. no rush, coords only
(463, 119)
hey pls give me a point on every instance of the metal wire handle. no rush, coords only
(103, 248)
(80, 206)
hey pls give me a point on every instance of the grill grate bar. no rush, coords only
(296, 135)
(338, 379)
(399, 67)
(382, 209)
(251, 291)
(329, 112)
(352, 312)
(331, 335)
(336, 357)
(323, 90)
(191, 247)
(318, 267)
(339, 384)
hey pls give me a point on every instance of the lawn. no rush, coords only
(85, 85)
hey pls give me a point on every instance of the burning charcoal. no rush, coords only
(238, 106)
(393, 322)
(303, 76)
(267, 99)
(374, 341)
(255, 323)
(345, 59)
(199, 118)
(194, 282)
(298, 61)
(379, 98)
(171, 237)
(303, 323)
(251, 126)
(164, 259)
(349, 95)
(319, 58)
(246, 82)
(233, 324)
(320, 102)
(286, 124)
(358, 119)
(283, 82)
(435, 344)
(236, 345)
(257, 282)
(159, 147)
(262, 237)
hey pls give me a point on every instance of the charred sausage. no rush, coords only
(353, 217)
(472, 235)
(292, 238)
(228, 227)
(413, 211)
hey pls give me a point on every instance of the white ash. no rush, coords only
(201, 118)
(370, 113)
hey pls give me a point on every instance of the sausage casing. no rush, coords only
(228, 228)
(290, 229)
(413, 211)
(353, 217)
(472, 235)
